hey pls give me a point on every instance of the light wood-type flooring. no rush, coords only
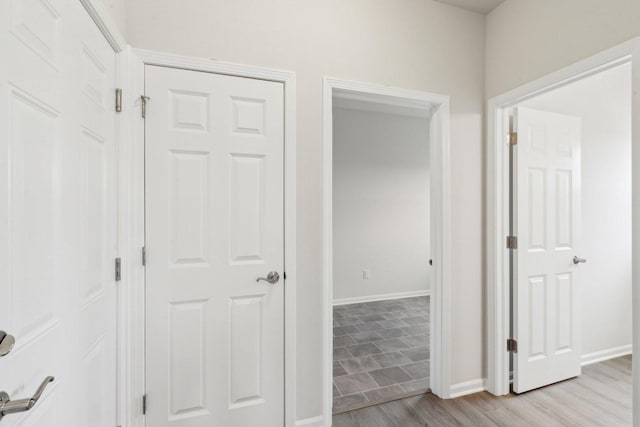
(601, 396)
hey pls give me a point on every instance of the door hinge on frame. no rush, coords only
(144, 256)
(118, 269)
(144, 404)
(512, 345)
(513, 138)
(143, 105)
(512, 242)
(118, 100)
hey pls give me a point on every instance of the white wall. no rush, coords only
(117, 10)
(527, 39)
(604, 104)
(414, 44)
(380, 203)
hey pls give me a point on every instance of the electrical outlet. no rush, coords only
(365, 274)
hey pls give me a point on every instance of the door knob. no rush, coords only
(577, 260)
(271, 278)
(8, 406)
(6, 343)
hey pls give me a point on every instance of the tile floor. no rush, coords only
(380, 352)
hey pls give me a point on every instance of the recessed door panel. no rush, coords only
(247, 207)
(537, 317)
(33, 168)
(537, 209)
(245, 350)
(187, 365)
(188, 202)
(564, 312)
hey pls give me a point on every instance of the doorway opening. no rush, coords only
(386, 244)
(563, 294)
(593, 285)
(381, 272)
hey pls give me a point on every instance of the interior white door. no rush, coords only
(214, 225)
(57, 219)
(546, 221)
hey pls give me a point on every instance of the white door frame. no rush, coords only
(498, 205)
(440, 288)
(107, 26)
(132, 221)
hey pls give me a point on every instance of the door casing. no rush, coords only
(132, 220)
(498, 293)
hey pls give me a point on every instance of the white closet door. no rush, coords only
(57, 217)
(214, 224)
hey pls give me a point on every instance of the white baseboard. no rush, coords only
(467, 387)
(601, 356)
(310, 422)
(372, 298)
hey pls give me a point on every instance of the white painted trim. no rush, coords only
(440, 222)
(372, 298)
(124, 348)
(145, 57)
(310, 422)
(608, 354)
(467, 387)
(131, 219)
(498, 204)
(98, 12)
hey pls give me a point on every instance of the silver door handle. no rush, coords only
(6, 343)
(8, 406)
(271, 278)
(577, 260)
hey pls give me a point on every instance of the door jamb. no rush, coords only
(132, 198)
(498, 205)
(440, 369)
(107, 26)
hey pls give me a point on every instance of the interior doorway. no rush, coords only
(386, 288)
(381, 231)
(571, 212)
(567, 203)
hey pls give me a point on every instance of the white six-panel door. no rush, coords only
(214, 224)
(57, 218)
(546, 220)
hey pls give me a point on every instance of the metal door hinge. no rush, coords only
(512, 345)
(513, 138)
(512, 242)
(118, 269)
(144, 256)
(118, 100)
(144, 404)
(143, 105)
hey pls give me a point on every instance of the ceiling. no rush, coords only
(480, 6)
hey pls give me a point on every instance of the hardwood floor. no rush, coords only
(601, 396)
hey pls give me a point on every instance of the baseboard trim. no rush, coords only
(467, 387)
(372, 298)
(602, 355)
(310, 422)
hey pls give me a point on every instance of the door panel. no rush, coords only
(214, 224)
(57, 293)
(546, 221)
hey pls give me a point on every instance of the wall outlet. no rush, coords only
(365, 274)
